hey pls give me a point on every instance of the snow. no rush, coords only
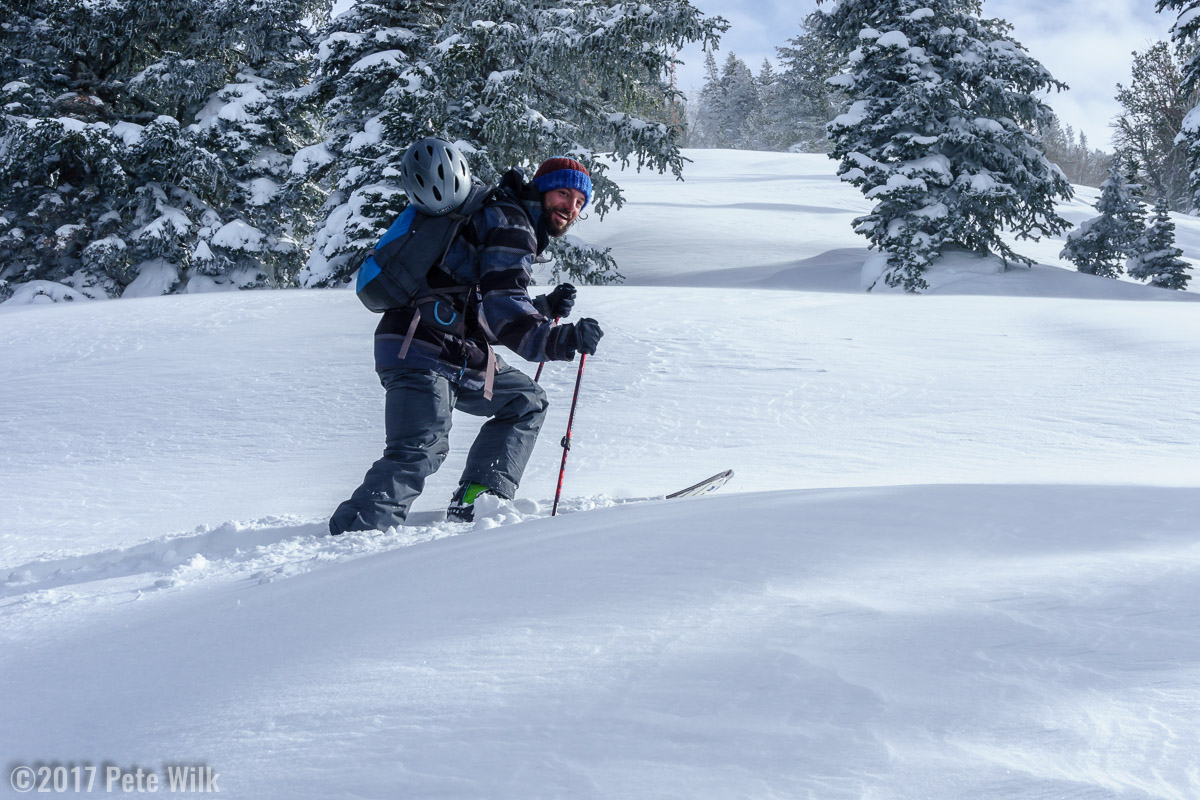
(983, 183)
(66, 232)
(383, 58)
(170, 223)
(42, 292)
(893, 39)
(236, 102)
(500, 76)
(328, 44)
(130, 133)
(855, 114)
(1186, 17)
(239, 235)
(897, 182)
(958, 557)
(371, 134)
(262, 191)
(155, 277)
(310, 158)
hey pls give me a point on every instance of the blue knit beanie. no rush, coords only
(561, 172)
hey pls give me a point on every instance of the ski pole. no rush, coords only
(541, 364)
(566, 440)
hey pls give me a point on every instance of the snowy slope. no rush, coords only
(958, 558)
(782, 221)
(953, 641)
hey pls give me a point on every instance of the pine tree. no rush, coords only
(128, 155)
(1100, 245)
(1080, 164)
(256, 124)
(710, 110)
(741, 102)
(762, 126)
(511, 82)
(1159, 260)
(805, 102)
(938, 131)
(1184, 33)
(1154, 108)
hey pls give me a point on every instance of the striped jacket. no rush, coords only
(493, 254)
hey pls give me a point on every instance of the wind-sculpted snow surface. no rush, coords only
(907, 642)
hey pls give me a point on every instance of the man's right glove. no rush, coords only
(561, 300)
(587, 335)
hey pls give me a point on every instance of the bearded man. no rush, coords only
(436, 357)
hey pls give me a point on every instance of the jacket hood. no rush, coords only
(514, 184)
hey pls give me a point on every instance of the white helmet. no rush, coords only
(435, 176)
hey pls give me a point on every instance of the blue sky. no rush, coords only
(1085, 43)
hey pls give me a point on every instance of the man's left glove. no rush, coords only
(561, 300)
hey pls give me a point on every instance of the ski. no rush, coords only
(710, 484)
(705, 486)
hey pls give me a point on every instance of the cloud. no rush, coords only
(757, 27)
(1087, 45)
(1084, 43)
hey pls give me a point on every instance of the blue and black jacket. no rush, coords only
(493, 255)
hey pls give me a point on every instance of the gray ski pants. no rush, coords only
(417, 420)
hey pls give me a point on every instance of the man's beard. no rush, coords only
(556, 227)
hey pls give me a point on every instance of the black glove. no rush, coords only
(561, 300)
(587, 335)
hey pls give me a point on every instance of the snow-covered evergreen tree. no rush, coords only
(1081, 164)
(1159, 260)
(372, 62)
(1185, 33)
(710, 107)
(741, 102)
(805, 103)
(731, 110)
(1101, 244)
(124, 160)
(256, 124)
(762, 126)
(511, 82)
(938, 131)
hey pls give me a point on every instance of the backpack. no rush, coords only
(394, 274)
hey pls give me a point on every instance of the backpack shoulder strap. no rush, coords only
(477, 198)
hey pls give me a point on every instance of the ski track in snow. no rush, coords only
(259, 551)
(849, 643)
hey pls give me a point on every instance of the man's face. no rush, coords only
(562, 207)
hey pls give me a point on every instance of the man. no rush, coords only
(437, 357)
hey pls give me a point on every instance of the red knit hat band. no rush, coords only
(557, 163)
